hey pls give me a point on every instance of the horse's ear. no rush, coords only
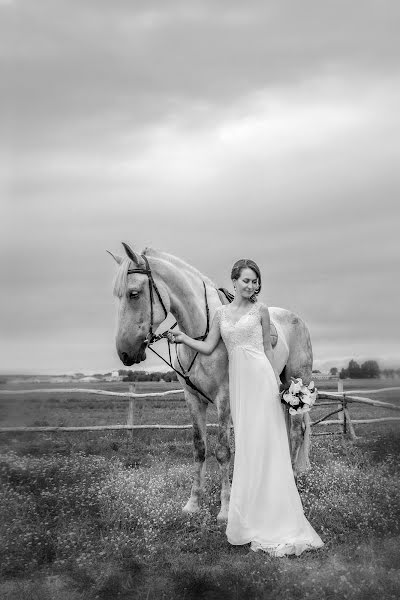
(117, 258)
(131, 254)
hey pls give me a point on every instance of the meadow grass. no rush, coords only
(98, 515)
(105, 514)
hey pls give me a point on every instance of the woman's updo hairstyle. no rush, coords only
(247, 263)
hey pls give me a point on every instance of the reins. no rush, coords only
(151, 338)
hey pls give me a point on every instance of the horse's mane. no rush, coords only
(122, 272)
(121, 278)
(178, 262)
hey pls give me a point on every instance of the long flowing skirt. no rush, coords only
(265, 507)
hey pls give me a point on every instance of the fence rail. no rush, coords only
(358, 400)
(90, 391)
(339, 398)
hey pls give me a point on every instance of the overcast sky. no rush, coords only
(213, 131)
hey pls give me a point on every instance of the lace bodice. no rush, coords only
(245, 332)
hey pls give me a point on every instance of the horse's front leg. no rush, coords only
(198, 410)
(223, 452)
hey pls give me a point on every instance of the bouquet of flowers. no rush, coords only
(299, 397)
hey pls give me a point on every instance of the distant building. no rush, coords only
(115, 376)
(324, 376)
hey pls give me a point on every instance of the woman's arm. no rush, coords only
(266, 327)
(206, 347)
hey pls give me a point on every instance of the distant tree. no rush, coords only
(152, 376)
(391, 373)
(354, 370)
(343, 373)
(316, 371)
(170, 376)
(370, 369)
(333, 371)
(143, 376)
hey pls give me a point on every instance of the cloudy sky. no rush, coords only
(214, 131)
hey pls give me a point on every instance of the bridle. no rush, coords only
(152, 287)
(151, 338)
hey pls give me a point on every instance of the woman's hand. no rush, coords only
(175, 337)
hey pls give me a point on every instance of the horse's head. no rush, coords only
(134, 307)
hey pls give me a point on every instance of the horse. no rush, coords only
(153, 284)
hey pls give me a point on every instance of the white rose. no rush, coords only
(292, 411)
(296, 386)
(287, 397)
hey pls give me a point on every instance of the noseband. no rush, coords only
(151, 338)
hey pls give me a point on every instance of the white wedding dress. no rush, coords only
(265, 507)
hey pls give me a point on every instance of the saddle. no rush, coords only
(225, 295)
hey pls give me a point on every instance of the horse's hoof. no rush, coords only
(191, 507)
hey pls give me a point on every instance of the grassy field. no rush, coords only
(98, 514)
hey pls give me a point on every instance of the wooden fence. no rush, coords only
(339, 400)
(342, 399)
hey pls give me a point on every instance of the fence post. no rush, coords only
(344, 415)
(131, 408)
(349, 428)
(341, 417)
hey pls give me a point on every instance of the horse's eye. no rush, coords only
(133, 295)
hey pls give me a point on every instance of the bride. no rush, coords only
(265, 508)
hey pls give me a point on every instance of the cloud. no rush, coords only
(210, 132)
(77, 61)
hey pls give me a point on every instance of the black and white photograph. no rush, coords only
(199, 308)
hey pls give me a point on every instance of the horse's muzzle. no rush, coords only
(128, 360)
